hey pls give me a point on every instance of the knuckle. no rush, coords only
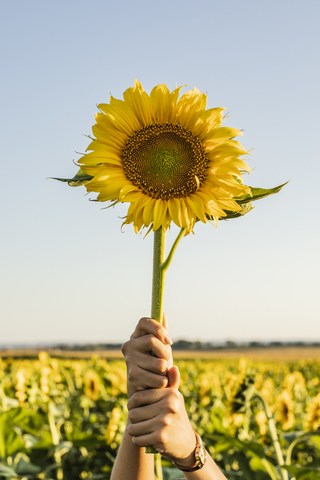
(124, 348)
(162, 438)
(173, 408)
(137, 397)
(132, 373)
(152, 340)
(143, 322)
(132, 415)
(166, 421)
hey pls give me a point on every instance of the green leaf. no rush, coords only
(10, 441)
(303, 473)
(245, 201)
(315, 440)
(246, 208)
(171, 474)
(7, 471)
(244, 467)
(223, 443)
(81, 178)
(258, 193)
(30, 422)
(263, 464)
(27, 468)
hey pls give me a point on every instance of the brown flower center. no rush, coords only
(165, 161)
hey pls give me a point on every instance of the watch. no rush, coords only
(200, 456)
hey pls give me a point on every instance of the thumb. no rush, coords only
(165, 321)
(173, 377)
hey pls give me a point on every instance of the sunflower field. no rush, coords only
(64, 418)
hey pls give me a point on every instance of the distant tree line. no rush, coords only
(193, 345)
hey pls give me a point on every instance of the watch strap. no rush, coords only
(199, 462)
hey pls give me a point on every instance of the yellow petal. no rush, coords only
(162, 103)
(196, 204)
(139, 102)
(132, 196)
(100, 157)
(174, 210)
(207, 121)
(160, 210)
(188, 106)
(148, 212)
(110, 192)
(220, 135)
(185, 222)
(128, 188)
(109, 135)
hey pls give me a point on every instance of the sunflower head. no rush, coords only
(91, 385)
(285, 410)
(313, 414)
(169, 158)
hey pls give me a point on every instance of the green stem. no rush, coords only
(158, 466)
(301, 438)
(274, 437)
(160, 266)
(159, 252)
(55, 440)
(166, 263)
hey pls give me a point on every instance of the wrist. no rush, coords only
(187, 461)
(194, 461)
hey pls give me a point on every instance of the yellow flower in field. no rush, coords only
(56, 370)
(261, 419)
(91, 385)
(169, 158)
(267, 390)
(292, 380)
(313, 414)
(284, 410)
(112, 427)
(20, 385)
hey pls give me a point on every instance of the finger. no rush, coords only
(148, 325)
(152, 364)
(174, 377)
(142, 428)
(165, 322)
(141, 414)
(146, 397)
(143, 379)
(150, 343)
(144, 440)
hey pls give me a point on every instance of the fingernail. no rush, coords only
(168, 340)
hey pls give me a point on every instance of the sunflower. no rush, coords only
(169, 158)
(313, 414)
(262, 421)
(285, 410)
(91, 385)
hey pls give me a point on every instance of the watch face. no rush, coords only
(202, 455)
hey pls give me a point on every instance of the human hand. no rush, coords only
(145, 370)
(158, 418)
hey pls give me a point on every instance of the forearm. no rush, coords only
(132, 462)
(210, 471)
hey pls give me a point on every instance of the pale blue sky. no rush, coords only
(67, 272)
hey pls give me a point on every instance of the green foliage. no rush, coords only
(64, 419)
(81, 178)
(245, 201)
